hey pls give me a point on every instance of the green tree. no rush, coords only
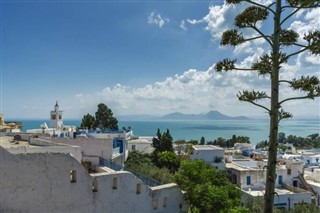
(163, 142)
(281, 137)
(169, 160)
(104, 118)
(202, 141)
(142, 163)
(87, 121)
(207, 189)
(283, 45)
(243, 139)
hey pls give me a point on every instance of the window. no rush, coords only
(248, 180)
(95, 185)
(138, 188)
(115, 183)
(133, 147)
(165, 202)
(289, 172)
(280, 179)
(155, 203)
(73, 176)
(53, 117)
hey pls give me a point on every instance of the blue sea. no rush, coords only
(256, 130)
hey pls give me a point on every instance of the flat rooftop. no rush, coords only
(261, 192)
(207, 147)
(8, 142)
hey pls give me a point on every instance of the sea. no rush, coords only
(257, 130)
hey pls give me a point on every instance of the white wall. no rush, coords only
(40, 182)
(141, 147)
(289, 199)
(90, 147)
(208, 155)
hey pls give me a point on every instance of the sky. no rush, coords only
(137, 57)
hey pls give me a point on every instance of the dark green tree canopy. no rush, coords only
(87, 121)
(207, 189)
(169, 160)
(104, 118)
(163, 142)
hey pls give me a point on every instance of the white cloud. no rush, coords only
(196, 91)
(309, 21)
(183, 25)
(155, 18)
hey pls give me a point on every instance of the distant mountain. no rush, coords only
(212, 115)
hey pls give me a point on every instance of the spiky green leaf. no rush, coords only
(313, 39)
(225, 65)
(303, 3)
(288, 37)
(264, 66)
(232, 37)
(250, 16)
(252, 96)
(284, 115)
(309, 84)
(234, 1)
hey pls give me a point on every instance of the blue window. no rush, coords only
(280, 179)
(248, 180)
(118, 143)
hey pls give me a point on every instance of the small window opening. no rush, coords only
(155, 203)
(138, 188)
(165, 202)
(115, 183)
(73, 176)
(95, 185)
(289, 172)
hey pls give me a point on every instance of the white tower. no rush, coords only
(56, 117)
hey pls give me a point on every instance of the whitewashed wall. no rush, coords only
(40, 182)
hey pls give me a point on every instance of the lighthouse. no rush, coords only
(56, 120)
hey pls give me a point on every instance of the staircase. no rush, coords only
(306, 186)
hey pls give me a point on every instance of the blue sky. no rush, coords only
(138, 57)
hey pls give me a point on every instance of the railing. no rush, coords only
(109, 164)
(147, 180)
(306, 185)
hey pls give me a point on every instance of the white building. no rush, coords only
(56, 182)
(112, 147)
(142, 145)
(312, 177)
(56, 119)
(57, 128)
(250, 176)
(213, 155)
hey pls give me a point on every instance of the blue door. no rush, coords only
(248, 180)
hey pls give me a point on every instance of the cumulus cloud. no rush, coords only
(190, 92)
(193, 91)
(156, 19)
(198, 91)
